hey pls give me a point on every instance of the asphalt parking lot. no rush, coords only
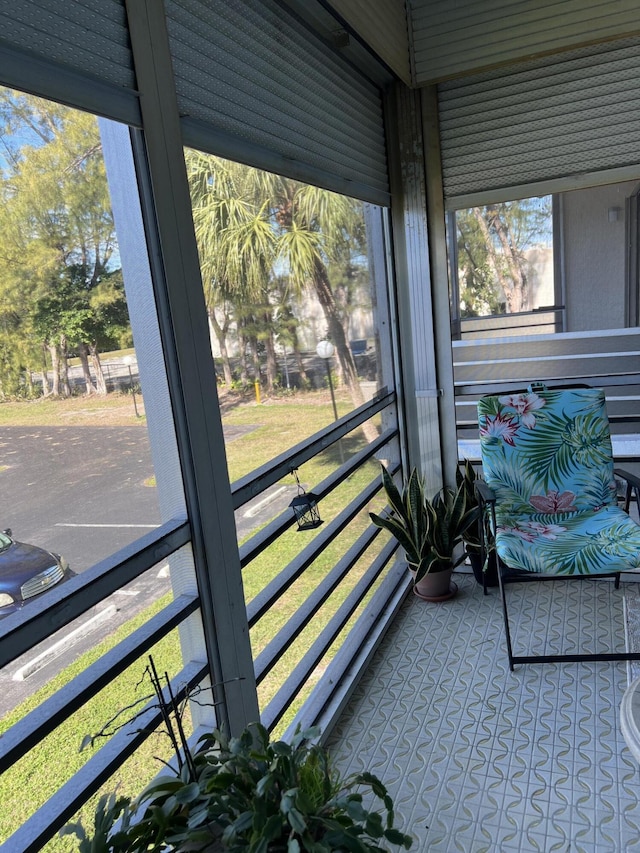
(84, 492)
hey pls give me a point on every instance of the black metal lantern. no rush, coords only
(305, 507)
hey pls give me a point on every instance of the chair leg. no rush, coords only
(558, 658)
(505, 615)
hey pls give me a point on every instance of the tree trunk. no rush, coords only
(255, 357)
(101, 382)
(514, 284)
(55, 370)
(220, 333)
(304, 379)
(45, 372)
(29, 380)
(63, 364)
(83, 352)
(338, 339)
(272, 362)
(244, 368)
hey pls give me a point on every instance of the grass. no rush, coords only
(29, 783)
(114, 410)
(278, 425)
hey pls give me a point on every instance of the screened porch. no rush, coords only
(340, 308)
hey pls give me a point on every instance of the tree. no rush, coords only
(252, 226)
(62, 237)
(493, 244)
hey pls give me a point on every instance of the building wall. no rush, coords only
(595, 257)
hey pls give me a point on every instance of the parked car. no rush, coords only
(26, 571)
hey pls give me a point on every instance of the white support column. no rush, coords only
(413, 283)
(183, 324)
(439, 282)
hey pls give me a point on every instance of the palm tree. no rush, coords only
(236, 242)
(249, 223)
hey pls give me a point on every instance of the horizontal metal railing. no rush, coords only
(333, 691)
(257, 608)
(257, 543)
(308, 610)
(40, 722)
(65, 802)
(545, 320)
(608, 359)
(267, 659)
(277, 707)
(21, 631)
(257, 481)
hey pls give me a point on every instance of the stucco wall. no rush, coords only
(595, 257)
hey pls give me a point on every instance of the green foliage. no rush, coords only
(429, 530)
(248, 795)
(263, 240)
(57, 265)
(466, 477)
(495, 272)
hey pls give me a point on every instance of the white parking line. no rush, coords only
(261, 504)
(62, 645)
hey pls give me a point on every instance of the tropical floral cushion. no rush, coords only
(547, 456)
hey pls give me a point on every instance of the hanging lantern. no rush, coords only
(305, 507)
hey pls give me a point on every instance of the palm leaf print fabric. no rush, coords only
(547, 456)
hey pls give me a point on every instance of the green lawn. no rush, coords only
(279, 424)
(29, 783)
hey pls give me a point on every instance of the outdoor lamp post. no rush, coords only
(128, 360)
(325, 350)
(305, 507)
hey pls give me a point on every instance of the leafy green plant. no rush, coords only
(429, 530)
(466, 476)
(483, 559)
(246, 794)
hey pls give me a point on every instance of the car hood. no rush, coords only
(19, 562)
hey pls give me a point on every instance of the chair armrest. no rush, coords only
(484, 493)
(633, 487)
(630, 478)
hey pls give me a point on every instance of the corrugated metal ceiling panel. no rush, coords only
(450, 39)
(383, 26)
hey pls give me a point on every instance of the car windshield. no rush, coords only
(5, 541)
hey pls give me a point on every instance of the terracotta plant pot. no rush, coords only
(435, 586)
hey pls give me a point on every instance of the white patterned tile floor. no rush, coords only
(482, 760)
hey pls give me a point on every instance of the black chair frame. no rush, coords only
(487, 523)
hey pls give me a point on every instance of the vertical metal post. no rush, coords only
(131, 387)
(333, 396)
(133, 392)
(191, 373)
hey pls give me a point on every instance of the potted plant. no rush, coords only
(429, 530)
(245, 795)
(483, 565)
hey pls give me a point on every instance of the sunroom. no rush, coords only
(375, 156)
